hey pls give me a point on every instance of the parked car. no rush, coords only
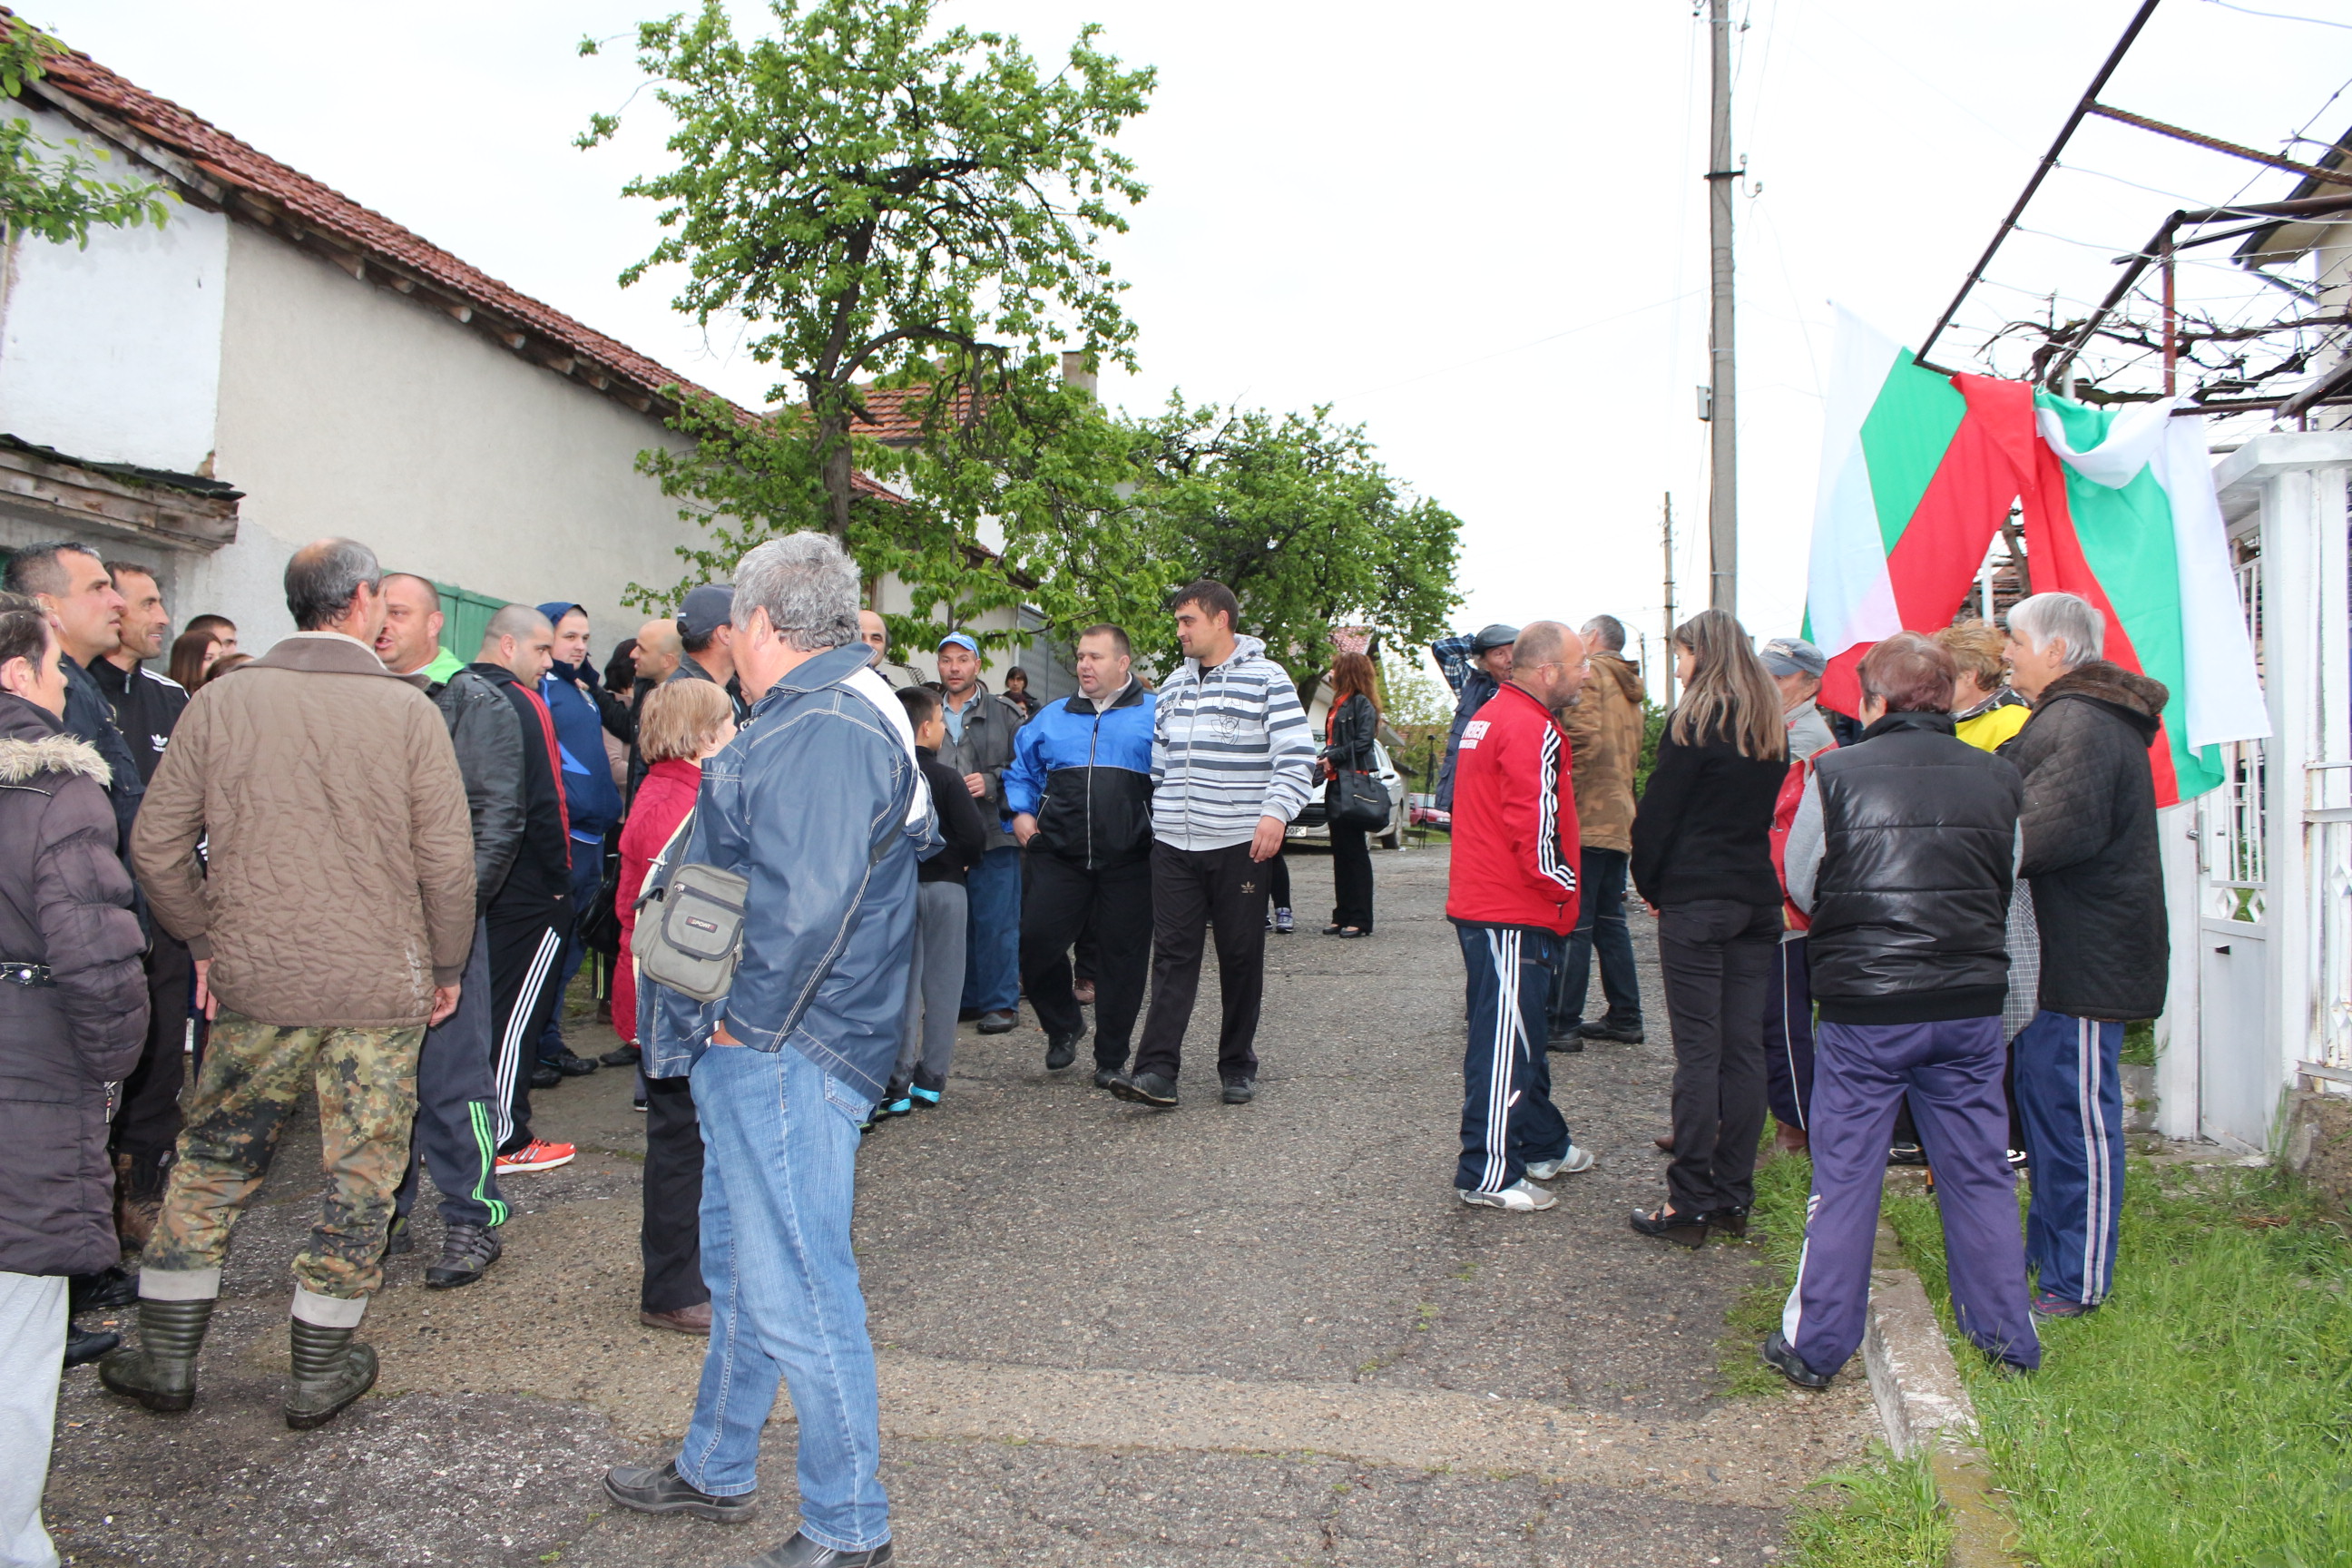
(1310, 828)
(1421, 811)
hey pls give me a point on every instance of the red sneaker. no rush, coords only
(539, 1154)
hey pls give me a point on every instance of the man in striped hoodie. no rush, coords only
(1232, 762)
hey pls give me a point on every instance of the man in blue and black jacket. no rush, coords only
(1080, 792)
(583, 711)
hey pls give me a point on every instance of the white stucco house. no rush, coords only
(279, 363)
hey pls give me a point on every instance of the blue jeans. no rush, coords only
(780, 1141)
(1599, 928)
(992, 968)
(587, 881)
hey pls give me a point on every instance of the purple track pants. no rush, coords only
(1952, 1072)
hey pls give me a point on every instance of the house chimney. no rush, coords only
(1074, 372)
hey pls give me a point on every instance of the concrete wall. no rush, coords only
(112, 353)
(347, 409)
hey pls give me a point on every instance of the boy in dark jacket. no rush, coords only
(2091, 855)
(1511, 894)
(935, 983)
(73, 1011)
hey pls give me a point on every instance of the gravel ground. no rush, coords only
(1256, 1334)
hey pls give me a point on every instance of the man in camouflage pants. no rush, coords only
(329, 922)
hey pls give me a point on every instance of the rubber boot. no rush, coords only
(161, 1374)
(330, 1372)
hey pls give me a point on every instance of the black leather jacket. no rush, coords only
(1355, 726)
(489, 743)
(1910, 904)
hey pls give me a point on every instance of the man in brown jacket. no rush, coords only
(1604, 737)
(331, 922)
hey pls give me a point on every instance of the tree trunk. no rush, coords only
(832, 441)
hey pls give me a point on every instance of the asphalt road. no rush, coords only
(1245, 1336)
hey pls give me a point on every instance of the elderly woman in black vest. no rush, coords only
(73, 1019)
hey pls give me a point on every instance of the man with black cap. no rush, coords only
(706, 640)
(1796, 667)
(1475, 666)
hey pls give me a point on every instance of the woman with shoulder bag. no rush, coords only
(1703, 861)
(1348, 732)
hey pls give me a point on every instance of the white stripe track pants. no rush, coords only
(1507, 1118)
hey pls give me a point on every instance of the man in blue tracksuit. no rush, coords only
(1080, 792)
(582, 710)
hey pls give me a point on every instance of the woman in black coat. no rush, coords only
(73, 1019)
(1703, 861)
(1350, 730)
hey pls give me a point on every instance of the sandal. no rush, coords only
(1666, 1225)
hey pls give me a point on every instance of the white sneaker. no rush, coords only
(1569, 1164)
(1520, 1197)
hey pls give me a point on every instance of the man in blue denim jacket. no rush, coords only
(819, 804)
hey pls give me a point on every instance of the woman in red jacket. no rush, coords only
(682, 723)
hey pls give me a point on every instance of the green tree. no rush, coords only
(49, 188)
(875, 201)
(1297, 515)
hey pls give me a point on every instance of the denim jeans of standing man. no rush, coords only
(991, 972)
(786, 1306)
(1600, 931)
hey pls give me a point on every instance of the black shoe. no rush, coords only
(1730, 1221)
(568, 1065)
(1061, 1051)
(544, 1076)
(1602, 1029)
(1144, 1089)
(1782, 1359)
(1240, 1090)
(1106, 1076)
(467, 1253)
(1907, 1155)
(658, 1488)
(399, 1241)
(1682, 1229)
(799, 1551)
(1001, 1021)
(1568, 1042)
(625, 1057)
(88, 1345)
(107, 1290)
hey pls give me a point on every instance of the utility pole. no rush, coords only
(1723, 495)
(1667, 646)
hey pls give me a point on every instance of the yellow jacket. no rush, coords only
(1990, 725)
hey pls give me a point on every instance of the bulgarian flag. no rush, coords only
(1918, 469)
(2120, 509)
(1915, 483)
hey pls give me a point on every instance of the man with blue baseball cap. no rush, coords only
(979, 747)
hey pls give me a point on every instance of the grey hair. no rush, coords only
(516, 621)
(1606, 634)
(35, 569)
(808, 587)
(2067, 619)
(322, 578)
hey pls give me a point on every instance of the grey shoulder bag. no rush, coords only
(690, 924)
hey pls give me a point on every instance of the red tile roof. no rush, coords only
(251, 185)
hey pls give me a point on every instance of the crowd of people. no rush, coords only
(803, 866)
(1920, 943)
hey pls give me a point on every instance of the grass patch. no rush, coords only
(2203, 1415)
(1776, 1230)
(2139, 1043)
(1881, 1513)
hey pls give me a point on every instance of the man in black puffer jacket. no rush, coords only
(73, 1015)
(1903, 852)
(2091, 857)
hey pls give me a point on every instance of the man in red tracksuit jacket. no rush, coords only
(1511, 895)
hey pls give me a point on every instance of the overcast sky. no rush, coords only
(1478, 230)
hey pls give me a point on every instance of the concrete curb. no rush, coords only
(1923, 1407)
